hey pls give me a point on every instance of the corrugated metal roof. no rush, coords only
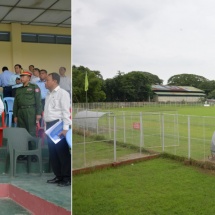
(175, 88)
(193, 89)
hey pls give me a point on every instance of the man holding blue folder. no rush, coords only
(57, 107)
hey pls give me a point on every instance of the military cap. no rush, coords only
(26, 73)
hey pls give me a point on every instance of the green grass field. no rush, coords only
(183, 110)
(159, 186)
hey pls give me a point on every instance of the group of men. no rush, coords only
(35, 92)
(9, 81)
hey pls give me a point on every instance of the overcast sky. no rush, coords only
(163, 37)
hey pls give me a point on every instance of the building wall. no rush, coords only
(41, 55)
(176, 99)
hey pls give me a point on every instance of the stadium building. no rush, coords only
(164, 93)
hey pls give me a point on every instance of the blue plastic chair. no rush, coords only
(9, 109)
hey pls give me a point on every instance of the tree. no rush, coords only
(186, 80)
(211, 95)
(154, 79)
(133, 86)
(137, 86)
(207, 87)
(95, 91)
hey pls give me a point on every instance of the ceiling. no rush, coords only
(36, 12)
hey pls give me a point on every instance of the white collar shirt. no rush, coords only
(57, 106)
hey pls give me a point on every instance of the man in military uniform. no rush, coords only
(27, 107)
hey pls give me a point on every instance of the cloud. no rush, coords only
(163, 37)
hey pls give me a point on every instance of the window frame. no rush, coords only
(38, 38)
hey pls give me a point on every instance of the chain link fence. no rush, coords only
(122, 136)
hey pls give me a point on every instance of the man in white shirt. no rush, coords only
(65, 82)
(57, 107)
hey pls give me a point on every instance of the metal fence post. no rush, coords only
(97, 126)
(85, 144)
(177, 129)
(204, 137)
(124, 126)
(141, 131)
(114, 128)
(188, 128)
(86, 120)
(109, 125)
(162, 129)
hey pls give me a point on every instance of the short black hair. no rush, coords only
(18, 66)
(37, 69)
(55, 76)
(43, 70)
(4, 68)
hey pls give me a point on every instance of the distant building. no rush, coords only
(165, 93)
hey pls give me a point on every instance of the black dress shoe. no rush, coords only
(54, 180)
(64, 183)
